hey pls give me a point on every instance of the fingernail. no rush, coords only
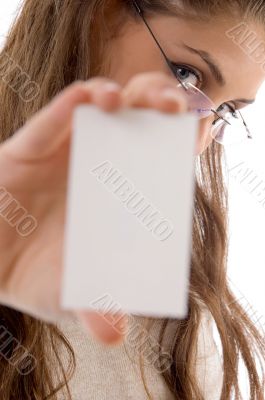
(112, 87)
(171, 94)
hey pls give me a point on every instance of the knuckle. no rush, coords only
(74, 88)
(90, 89)
(174, 96)
(156, 89)
(100, 83)
(97, 81)
(91, 84)
(146, 79)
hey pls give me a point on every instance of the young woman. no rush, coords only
(172, 56)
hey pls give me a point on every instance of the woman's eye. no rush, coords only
(225, 109)
(187, 75)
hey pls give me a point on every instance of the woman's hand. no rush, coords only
(33, 182)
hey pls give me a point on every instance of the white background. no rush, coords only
(247, 216)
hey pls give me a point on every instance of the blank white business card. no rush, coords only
(128, 232)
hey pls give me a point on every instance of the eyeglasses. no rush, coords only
(229, 127)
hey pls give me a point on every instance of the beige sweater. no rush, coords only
(113, 373)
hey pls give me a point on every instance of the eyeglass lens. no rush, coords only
(198, 102)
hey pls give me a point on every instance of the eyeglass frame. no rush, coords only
(140, 12)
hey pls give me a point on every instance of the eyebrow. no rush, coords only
(246, 101)
(207, 58)
(215, 69)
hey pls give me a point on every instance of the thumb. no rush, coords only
(108, 328)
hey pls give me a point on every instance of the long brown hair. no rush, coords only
(57, 42)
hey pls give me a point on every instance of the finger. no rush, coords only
(50, 127)
(154, 90)
(106, 327)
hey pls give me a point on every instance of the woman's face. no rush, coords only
(204, 54)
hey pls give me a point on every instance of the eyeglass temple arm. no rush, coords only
(245, 124)
(140, 12)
